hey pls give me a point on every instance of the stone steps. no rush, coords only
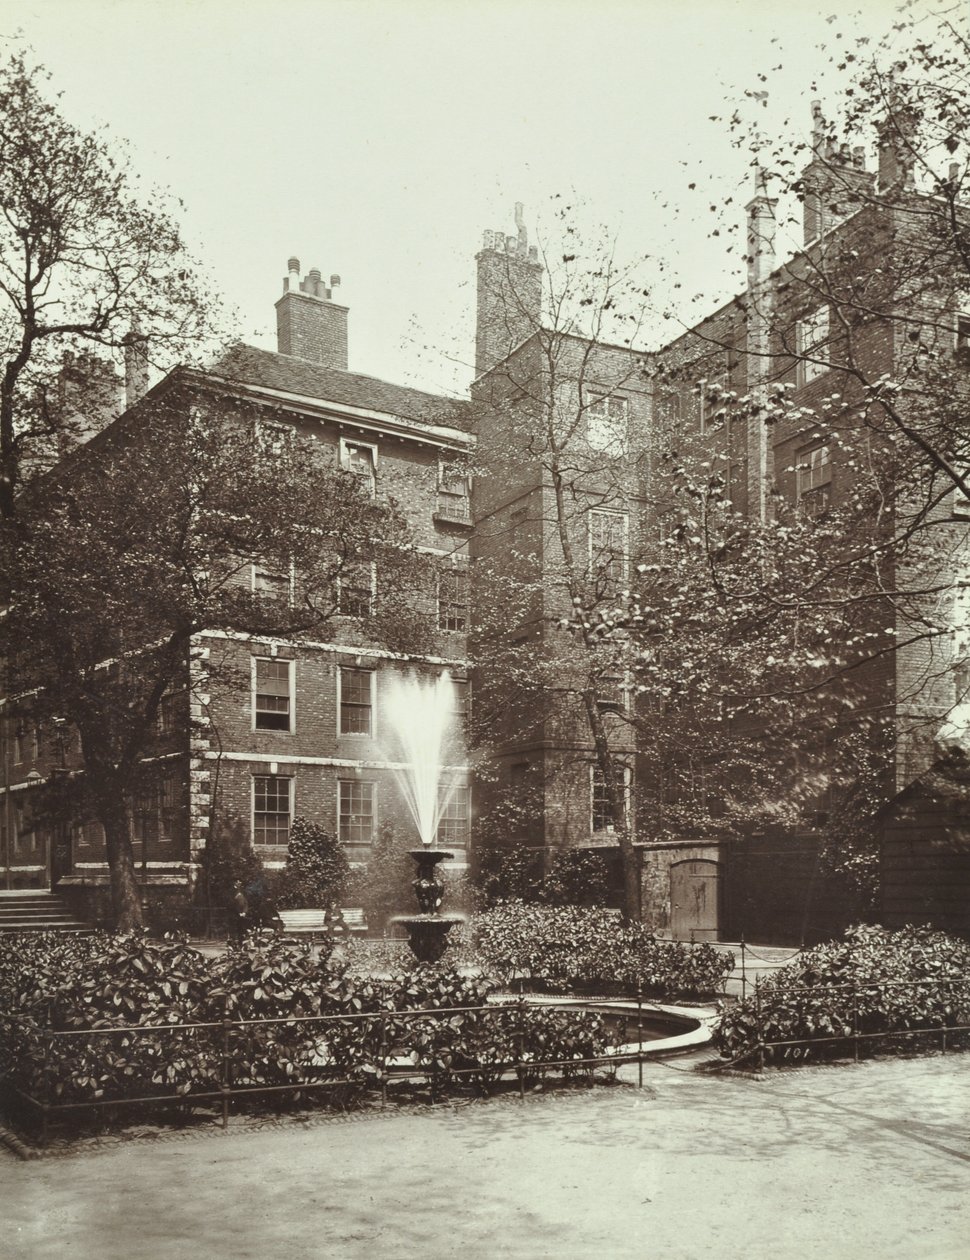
(36, 911)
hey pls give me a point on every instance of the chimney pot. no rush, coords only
(293, 265)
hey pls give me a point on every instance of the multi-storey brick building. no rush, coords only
(563, 435)
(308, 735)
(792, 328)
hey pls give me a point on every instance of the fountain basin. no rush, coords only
(427, 933)
(666, 1029)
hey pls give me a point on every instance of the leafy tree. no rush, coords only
(143, 541)
(316, 871)
(91, 268)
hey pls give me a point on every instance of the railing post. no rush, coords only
(639, 1033)
(943, 1024)
(48, 1050)
(224, 1073)
(744, 971)
(383, 1059)
(855, 1021)
(761, 1029)
(519, 1064)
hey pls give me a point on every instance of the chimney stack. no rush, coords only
(896, 161)
(137, 371)
(309, 324)
(509, 302)
(835, 183)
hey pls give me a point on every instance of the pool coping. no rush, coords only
(692, 1039)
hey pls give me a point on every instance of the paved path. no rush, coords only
(868, 1162)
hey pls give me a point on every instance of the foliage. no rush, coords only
(93, 266)
(145, 539)
(383, 888)
(373, 1028)
(316, 871)
(562, 946)
(514, 873)
(229, 856)
(576, 877)
(872, 981)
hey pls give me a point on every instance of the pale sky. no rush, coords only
(378, 138)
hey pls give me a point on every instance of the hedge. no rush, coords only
(49, 982)
(871, 981)
(561, 947)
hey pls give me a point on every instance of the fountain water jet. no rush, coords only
(421, 715)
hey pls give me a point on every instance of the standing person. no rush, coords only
(238, 913)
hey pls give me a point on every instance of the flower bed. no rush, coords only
(566, 947)
(873, 988)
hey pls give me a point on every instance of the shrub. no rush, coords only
(384, 888)
(269, 990)
(577, 877)
(871, 981)
(316, 871)
(228, 856)
(563, 946)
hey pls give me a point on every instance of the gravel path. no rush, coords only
(866, 1162)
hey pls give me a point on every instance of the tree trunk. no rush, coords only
(125, 897)
(616, 792)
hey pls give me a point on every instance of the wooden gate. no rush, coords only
(694, 888)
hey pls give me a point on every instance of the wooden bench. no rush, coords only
(319, 922)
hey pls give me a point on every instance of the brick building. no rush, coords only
(785, 330)
(308, 736)
(562, 434)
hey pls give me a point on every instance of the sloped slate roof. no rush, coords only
(249, 365)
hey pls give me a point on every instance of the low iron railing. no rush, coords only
(230, 1036)
(948, 1024)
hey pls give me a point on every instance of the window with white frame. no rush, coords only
(272, 694)
(271, 584)
(144, 815)
(607, 418)
(608, 533)
(272, 809)
(461, 691)
(713, 405)
(452, 599)
(356, 700)
(453, 821)
(356, 587)
(601, 810)
(813, 477)
(357, 811)
(811, 344)
(360, 458)
(453, 488)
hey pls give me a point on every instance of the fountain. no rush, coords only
(420, 714)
